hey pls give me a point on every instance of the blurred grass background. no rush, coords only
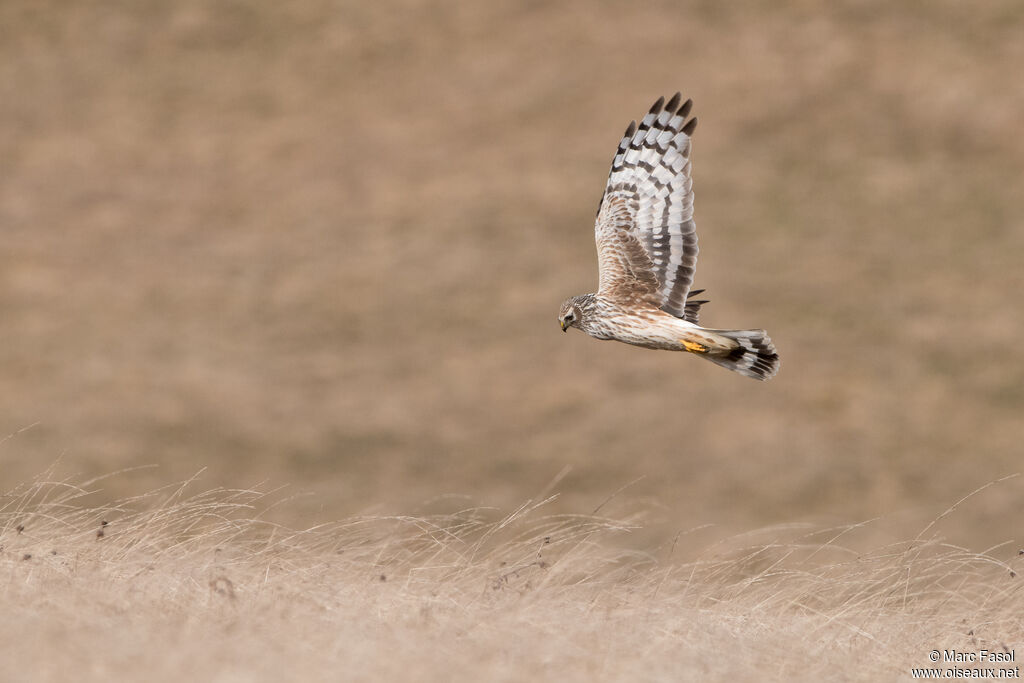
(324, 243)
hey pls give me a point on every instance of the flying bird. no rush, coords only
(647, 253)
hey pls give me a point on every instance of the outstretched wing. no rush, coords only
(646, 237)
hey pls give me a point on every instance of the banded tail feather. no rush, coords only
(753, 356)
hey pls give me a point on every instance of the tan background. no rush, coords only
(323, 244)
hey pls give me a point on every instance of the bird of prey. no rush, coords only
(647, 253)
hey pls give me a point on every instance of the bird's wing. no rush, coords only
(646, 237)
(626, 272)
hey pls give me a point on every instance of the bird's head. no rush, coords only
(572, 312)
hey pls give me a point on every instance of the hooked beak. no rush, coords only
(565, 325)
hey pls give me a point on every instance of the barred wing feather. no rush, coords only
(646, 237)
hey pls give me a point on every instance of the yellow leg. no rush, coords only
(694, 347)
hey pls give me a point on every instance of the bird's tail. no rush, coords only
(748, 352)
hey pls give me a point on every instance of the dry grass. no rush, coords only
(178, 585)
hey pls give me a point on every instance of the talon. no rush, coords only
(694, 347)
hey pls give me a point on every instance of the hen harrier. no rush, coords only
(647, 253)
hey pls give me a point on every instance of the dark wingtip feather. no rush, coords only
(690, 125)
(694, 292)
(673, 103)
(685, 109)
(656, 107)
(630, 129)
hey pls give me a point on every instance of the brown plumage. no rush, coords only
(647, 253)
